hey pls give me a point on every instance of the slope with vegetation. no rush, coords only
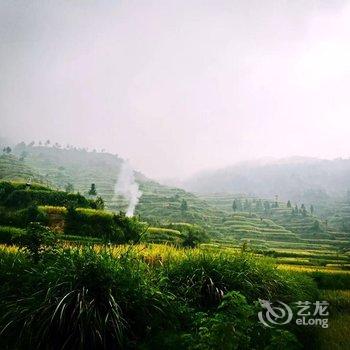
(103, 283)
(75, 170)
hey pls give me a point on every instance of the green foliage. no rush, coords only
(9, 235)
(81, 301)
(234, 326)
(21, 218)
(331, 280)
(129, 229)
(102, 224)
(92, 191)
(36, 241)
(184, 205)
(89, 222)
(69, 188)
(201, 279)
(162, 235)
(7, 150)
(193, 236)
(24, 198)
(234, 205)
(100, 204)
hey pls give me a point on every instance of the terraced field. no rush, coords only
(305, 231)
(11, 168)
(275, 228)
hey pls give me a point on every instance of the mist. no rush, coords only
(178, 86)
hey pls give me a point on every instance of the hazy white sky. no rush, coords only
(177, 86)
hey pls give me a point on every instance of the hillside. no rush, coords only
(161, 205)
(12, 168)
(303, 180)
(296, 229)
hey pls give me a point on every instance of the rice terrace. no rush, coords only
(174, 175)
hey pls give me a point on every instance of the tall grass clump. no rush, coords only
(202, 279)
(79, 300)
(123, 297)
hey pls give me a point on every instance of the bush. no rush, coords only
(89, 222)
(21, 218)
(36, 241)
(24, 198)
(234, 326)
(8, 235)
(129, 230)
(103, 224)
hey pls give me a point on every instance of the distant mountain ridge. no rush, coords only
(298, 179)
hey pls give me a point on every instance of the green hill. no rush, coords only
(12, 168)
(161, 205)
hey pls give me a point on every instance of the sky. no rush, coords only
(178, 86)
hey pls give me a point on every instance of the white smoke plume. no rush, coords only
(128, 188)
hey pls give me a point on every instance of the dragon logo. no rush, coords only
(274, 315)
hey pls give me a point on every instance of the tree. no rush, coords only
(193, 237)
(267, 206)
(183, 205)
(234, 206)
(69, 188)
(247, 205)
(128, 230)
(312, 209)
(100, 203)
(259, 205)
(23, 155)
(239, 205)
(296, 209)
(47, 143)
(36, 241)
(316, 226)
(7, 150)
(289, 204)
(303, 210)
(92, 191)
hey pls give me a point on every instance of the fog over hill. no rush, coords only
(296, 178)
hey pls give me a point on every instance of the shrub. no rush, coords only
(8, 235)
(103, 224)
(37, 240)
(24, 198)
(21, 218)
(234, 326)
(89, 222)
(128, 229)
